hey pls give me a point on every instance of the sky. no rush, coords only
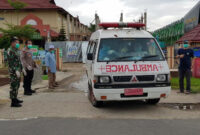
(159, 12)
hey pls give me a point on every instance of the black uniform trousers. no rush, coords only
(182, 74)
(28, 80)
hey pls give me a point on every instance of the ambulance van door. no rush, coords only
(90, 59)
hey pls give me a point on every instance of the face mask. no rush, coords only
(17, 45)
(52, 51)
(185, 45)
(29, 46)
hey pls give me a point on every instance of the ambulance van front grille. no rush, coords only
(145, 78)
(122, 78)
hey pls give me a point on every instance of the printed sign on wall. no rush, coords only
(72, 51)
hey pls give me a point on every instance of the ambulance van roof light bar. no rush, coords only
(121, 25)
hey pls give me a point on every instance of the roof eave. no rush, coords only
(25, 9)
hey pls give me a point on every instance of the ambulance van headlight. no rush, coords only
(161, 78)
(104, 79)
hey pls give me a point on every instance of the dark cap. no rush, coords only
(13, 39)
(185, 42)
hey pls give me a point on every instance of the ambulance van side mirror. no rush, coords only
(90, 56)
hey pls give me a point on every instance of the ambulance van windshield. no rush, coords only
(121, 49)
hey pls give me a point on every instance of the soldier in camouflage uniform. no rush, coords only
(15, 69)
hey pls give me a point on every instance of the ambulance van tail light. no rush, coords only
(95, 80)
(163, 95)
(104, 79)
(161, 78)
(103, 97)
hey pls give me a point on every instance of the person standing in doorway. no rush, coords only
(185, 55)
(28, 64)
(50, 62)
(15, 69)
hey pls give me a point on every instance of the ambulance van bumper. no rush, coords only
(119, 94)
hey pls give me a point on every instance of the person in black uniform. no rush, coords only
(185, 55)
(28, 64)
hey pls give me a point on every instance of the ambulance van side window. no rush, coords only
(95, 47)
(89, 46)
(92, 50)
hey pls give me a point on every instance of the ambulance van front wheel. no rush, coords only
(152, 101)
(92, 98)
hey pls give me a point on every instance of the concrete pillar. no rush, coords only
(68, 26)
(97, 21)
(121, 17)
(145, 19)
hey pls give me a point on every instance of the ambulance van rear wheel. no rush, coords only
(92, 98)
(152, 101)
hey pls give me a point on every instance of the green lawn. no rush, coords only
(45, 77)
(195, 84)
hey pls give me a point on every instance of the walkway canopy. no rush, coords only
(191, 36)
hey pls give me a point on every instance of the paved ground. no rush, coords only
(75, 104)
(73, 126)
(40, 86)
(67, 110)
(70, 100)
(181, 98)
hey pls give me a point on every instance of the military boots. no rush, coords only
(15, 103)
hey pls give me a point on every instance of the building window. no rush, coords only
(31, 22)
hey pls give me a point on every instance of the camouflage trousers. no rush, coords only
(14, 85)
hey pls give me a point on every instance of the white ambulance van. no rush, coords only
(124, 63)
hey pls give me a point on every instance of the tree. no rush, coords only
(4, 42)
(17, 5)
(22, 32)
(62, 34)
(92, 27)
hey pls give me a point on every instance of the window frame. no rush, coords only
(92, 46)
(160, 50)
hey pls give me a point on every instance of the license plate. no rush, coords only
(132, 92)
